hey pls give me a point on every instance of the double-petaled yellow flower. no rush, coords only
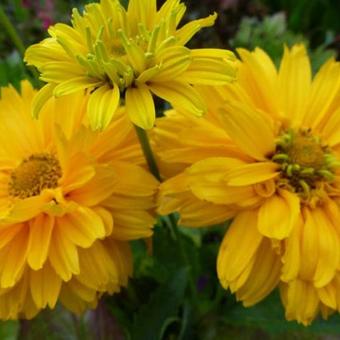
(70, 200)
(267, 154)
(113, 52)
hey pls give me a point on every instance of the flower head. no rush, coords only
(70, 200)
(113, 52)
(267, 154)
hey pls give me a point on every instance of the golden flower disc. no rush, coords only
(34, 174)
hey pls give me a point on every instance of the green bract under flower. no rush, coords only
(113, 52)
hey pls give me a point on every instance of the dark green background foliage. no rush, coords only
(175, 293)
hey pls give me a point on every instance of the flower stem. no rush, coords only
(148, 154)
(9, 28)
(150, 158)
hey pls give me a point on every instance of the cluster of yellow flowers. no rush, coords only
(244, 140)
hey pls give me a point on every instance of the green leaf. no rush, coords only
(268, 315)
(9, 330)
(151, 319)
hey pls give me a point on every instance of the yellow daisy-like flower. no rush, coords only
(267, 154)
(70, 201)
(114, 52)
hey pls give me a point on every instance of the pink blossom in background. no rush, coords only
(44, 11)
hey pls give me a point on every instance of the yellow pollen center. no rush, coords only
(34, 174)
(306, 163)
(306, 152)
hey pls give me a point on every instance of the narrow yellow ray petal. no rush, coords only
(251, 173)
(40, 232)
(294, 83)
(239, 246)
(41, 98)
(249, 129)
(180, 95)
(102, 105)
(279, 214)
(140, 106)
(74, 85)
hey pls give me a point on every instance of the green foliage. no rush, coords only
(151, 321)
(12, 70)
(9, 330)
(271, 34)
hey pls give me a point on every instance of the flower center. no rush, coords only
(306, 164)
(34, 174)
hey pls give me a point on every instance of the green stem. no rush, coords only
(148, 154)
(9, 28)
(150, 158)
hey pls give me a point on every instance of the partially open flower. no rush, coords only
(70, 200)
(267, 154)
(113, 52)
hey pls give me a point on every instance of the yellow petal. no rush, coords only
(207, 71)
(81, 291)
(24, 210)
(107, 219)
(330, 130)
(75, 85)
(173, 62)
(292, 257)
(329, 252)
(206, 180)
(257, 75)
(323, 99)
(40, 231)
(41, 98)
(302, 302)
(327, 295)
(102, 105)
(180, 95)
(239, 245)
(140, 106)
(249, 129)
(251, 173)
(132, 224)
(14, 263)
(142, 11)
(309, 246)
(185, 33)
(97, 189)
(263, 278)
(57, 72)
(8, 233)
(294, 83)
(133, 180)
(97, 268)
(82, 227)
(45, 286)
(278, 215)
(63, 255)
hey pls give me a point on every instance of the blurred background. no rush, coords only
(156, 304)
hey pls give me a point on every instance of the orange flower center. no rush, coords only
(34, 174)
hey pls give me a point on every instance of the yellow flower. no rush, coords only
(113, 52)
(70, 201)
(267, 154)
